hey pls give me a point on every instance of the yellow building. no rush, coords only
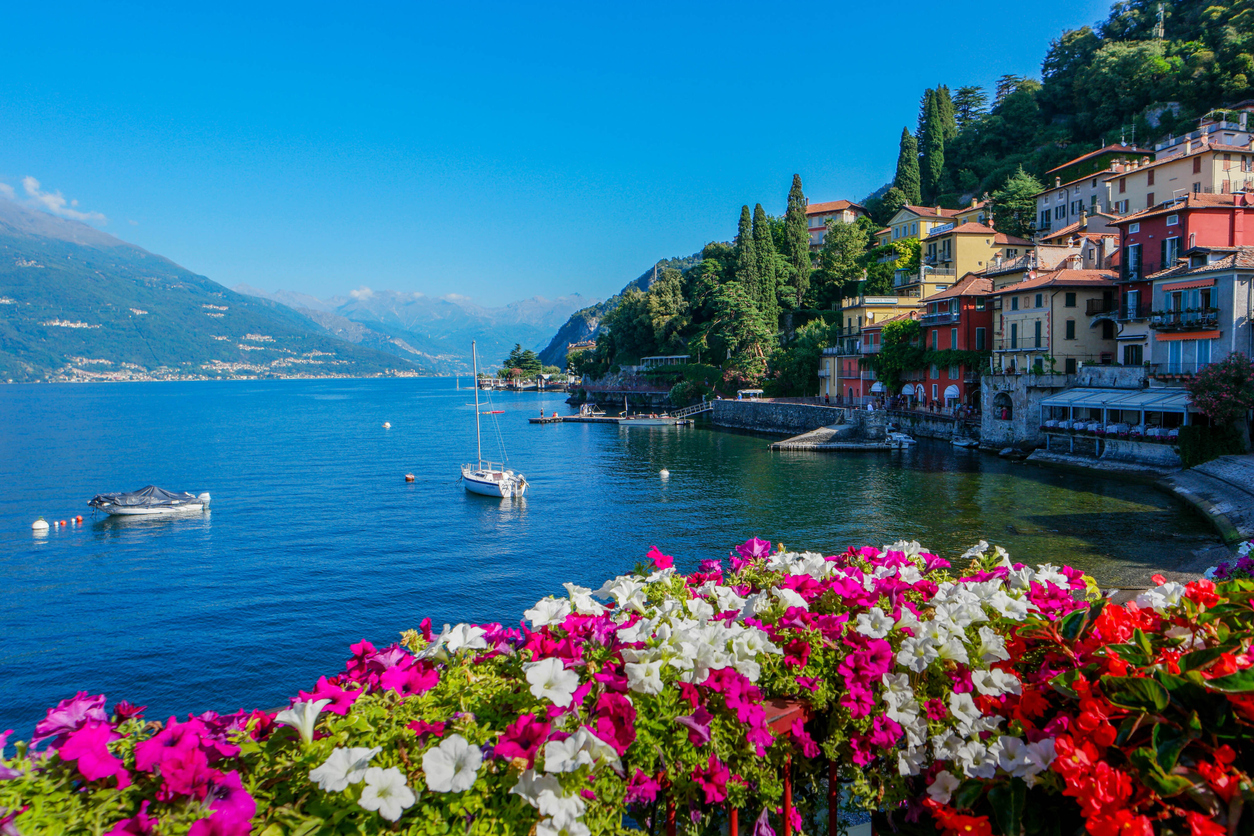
(955, 250)
(839, 369)
(1205, 166)
(1052, 321)
(979, 212)
(917, 221)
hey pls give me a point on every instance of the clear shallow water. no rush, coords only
(315, 540)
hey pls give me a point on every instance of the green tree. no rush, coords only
(1014, 204)
(523, 359)
(947, 114)
(907, 177)
(1224, 391)
(796, 249)
(668, 312)
(970, 103)
(746, 269)
(737, 333)
(1006, 85)
(792, 370)
(841, 263)
(892, 201)
(901, 351)
(933, 144)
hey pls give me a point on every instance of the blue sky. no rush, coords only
(497, 151)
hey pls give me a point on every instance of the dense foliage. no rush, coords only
(1224, 391)
(994, 698)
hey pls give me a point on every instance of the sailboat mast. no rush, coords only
(474, 353)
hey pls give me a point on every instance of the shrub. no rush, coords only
(1201, 444)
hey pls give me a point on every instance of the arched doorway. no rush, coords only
(952, 396)
(1003, 408)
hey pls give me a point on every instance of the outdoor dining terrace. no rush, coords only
(1151, 415)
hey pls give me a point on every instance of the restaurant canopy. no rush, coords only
(1139, 400)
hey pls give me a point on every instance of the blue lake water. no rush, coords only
(315, 540)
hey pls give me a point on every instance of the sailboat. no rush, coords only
(489, 478)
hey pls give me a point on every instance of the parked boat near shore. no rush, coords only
(147, 501)
(489, 478)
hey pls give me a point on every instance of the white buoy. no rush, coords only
(664, 473)
(39, 525)
(387, 425)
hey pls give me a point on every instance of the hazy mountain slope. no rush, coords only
(76, 301)
(585, 323)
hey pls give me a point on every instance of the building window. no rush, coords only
(935, 339)
(1133, 355)
(1132, 262)
(1170, 251)
(1149, 200)
(980, 304)
(1123, 185)
(935, 372)
(1068, 300)
(1197, 165)
(1037, 334)
(1197, 188)
(953, 337)
(1108, 329)
(1203, 354)
(1150, 176)
(1070, 335)
(979, 339)
(1040, 300)
(1014, 335)
(1069, 366)
(1134, 228)
(954, 372)
(1014, 303)
(934, 391)
(1173, 220)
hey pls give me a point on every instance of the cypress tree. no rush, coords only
(933, 151)
(768, 280)
(925, 101)
(746, 255)
(797, 239)
(907, 177)
(945, 107)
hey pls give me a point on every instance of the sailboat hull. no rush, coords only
(498, 483)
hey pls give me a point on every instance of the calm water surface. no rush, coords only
(315, 540)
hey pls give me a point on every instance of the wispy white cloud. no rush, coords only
(55, 203)
(132, 223)
(7, 191)
(361, 293)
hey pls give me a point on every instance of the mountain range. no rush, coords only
(79, 304)
(434, 330)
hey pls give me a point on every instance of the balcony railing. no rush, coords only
(1020, 344)
(946, 318)
(1128, 313)
(1095, 307)
(824, 373)
(831, 351)
(940, 271)
(868, 375)
(901, 278)
(1186, 320)
(1182, 369)
(870, 349)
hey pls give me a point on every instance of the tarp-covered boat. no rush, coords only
(149, 500)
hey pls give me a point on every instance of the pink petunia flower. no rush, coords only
(88, 746)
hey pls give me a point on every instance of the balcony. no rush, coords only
(939, 271)
(1019, 344)
(823, 373)
(1189, 319)
(1130, 313)
(1096, 307)
(901, 278)
(1176, 370)
(870, 349)
(867, 374)
(947, 318)
(831, 351)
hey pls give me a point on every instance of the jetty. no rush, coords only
(576, 419)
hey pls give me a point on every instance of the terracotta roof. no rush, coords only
(1241, 258)
(883, 231)
(833, 206)
(1189, 201)
(1003, 238)
(1063, 232)
(1131, 150)
(972, 284)
(931, 211)
(875, 326)
(1064, 278)
(1200, 148)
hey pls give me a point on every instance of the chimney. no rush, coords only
(1244, 119)
(1188, 145)
(1145, 160)
(1057, 182)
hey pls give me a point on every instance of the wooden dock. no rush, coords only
(575, 419)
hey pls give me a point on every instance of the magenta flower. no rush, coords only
(522, 739)
(171, 741)
(762, 827)
(698, 725)
(186, 772)
(749, 551)
(616, 721)
(88, 746)
(642, 789)
(138, 825)
(125, 710)
(69, 715)
(885, 732)
(423, 729)
(660, 561)
(713, 780)
(936, 710)
(803, 739)
(797, 653)
(233, 809)
(341, 700)
(810, 683)
(408, 679)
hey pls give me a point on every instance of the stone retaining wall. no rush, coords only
(767, 417)
(929, 425)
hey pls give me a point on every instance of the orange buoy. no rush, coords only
(62, 522)
(79, 518)
(409, 477)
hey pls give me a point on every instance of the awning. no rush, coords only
(877, 387)
(1188, 285)
(908, 389)
(1141, 400)
(951, 392)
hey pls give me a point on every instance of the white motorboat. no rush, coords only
(652, 421)
(489, 478)
(899, 440)
(148, 501)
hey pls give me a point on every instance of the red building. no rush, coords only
(1155, 240)
(961, 319)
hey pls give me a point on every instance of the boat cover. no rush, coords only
(149, 497)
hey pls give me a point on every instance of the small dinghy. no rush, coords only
(149, 500)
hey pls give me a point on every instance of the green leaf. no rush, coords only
(1240, 682)
(1135, 693)
(1169, 741)
(1148, 770)
(1142, 641)
(1130, 653)
(1062, 683)
(966, 796)
(1200, 658)
(1007, 801)
(1074, 625)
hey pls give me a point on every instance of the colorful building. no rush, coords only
(1050, 322)
(1202, 167)
(958, 319)
(818, 215)
(952, 250)
(844, 382)
(1080, 187)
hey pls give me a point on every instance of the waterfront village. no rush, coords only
(1078, 340)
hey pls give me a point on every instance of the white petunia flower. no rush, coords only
(386, 792)
(548, 611)
(874, 623)
(302, 716)
(975, 551)
(954, 650)
(964, 710)
(1162, 597)
(551, 681)
(994, 683)
(581, 599)
(644, 677)
(976, 761)
(897, 688)
(1048, 573)
(548, 827)
(565, 755)
(436, 648)
(790, 598)
(700, 609)
(992, 647)
(343, 767)
(531, 785)
(911, 761)
(564, 810)
(453, 765)
(943, 785)
(466, 637)
(916, 654)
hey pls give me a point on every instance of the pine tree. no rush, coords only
(933, 147)
(945, 107)
(970, 103)
(907, 177)
(1006, 85)
(925, 102)
(746, 256)
(768, 279)
(1014, 204)
(797, 240)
